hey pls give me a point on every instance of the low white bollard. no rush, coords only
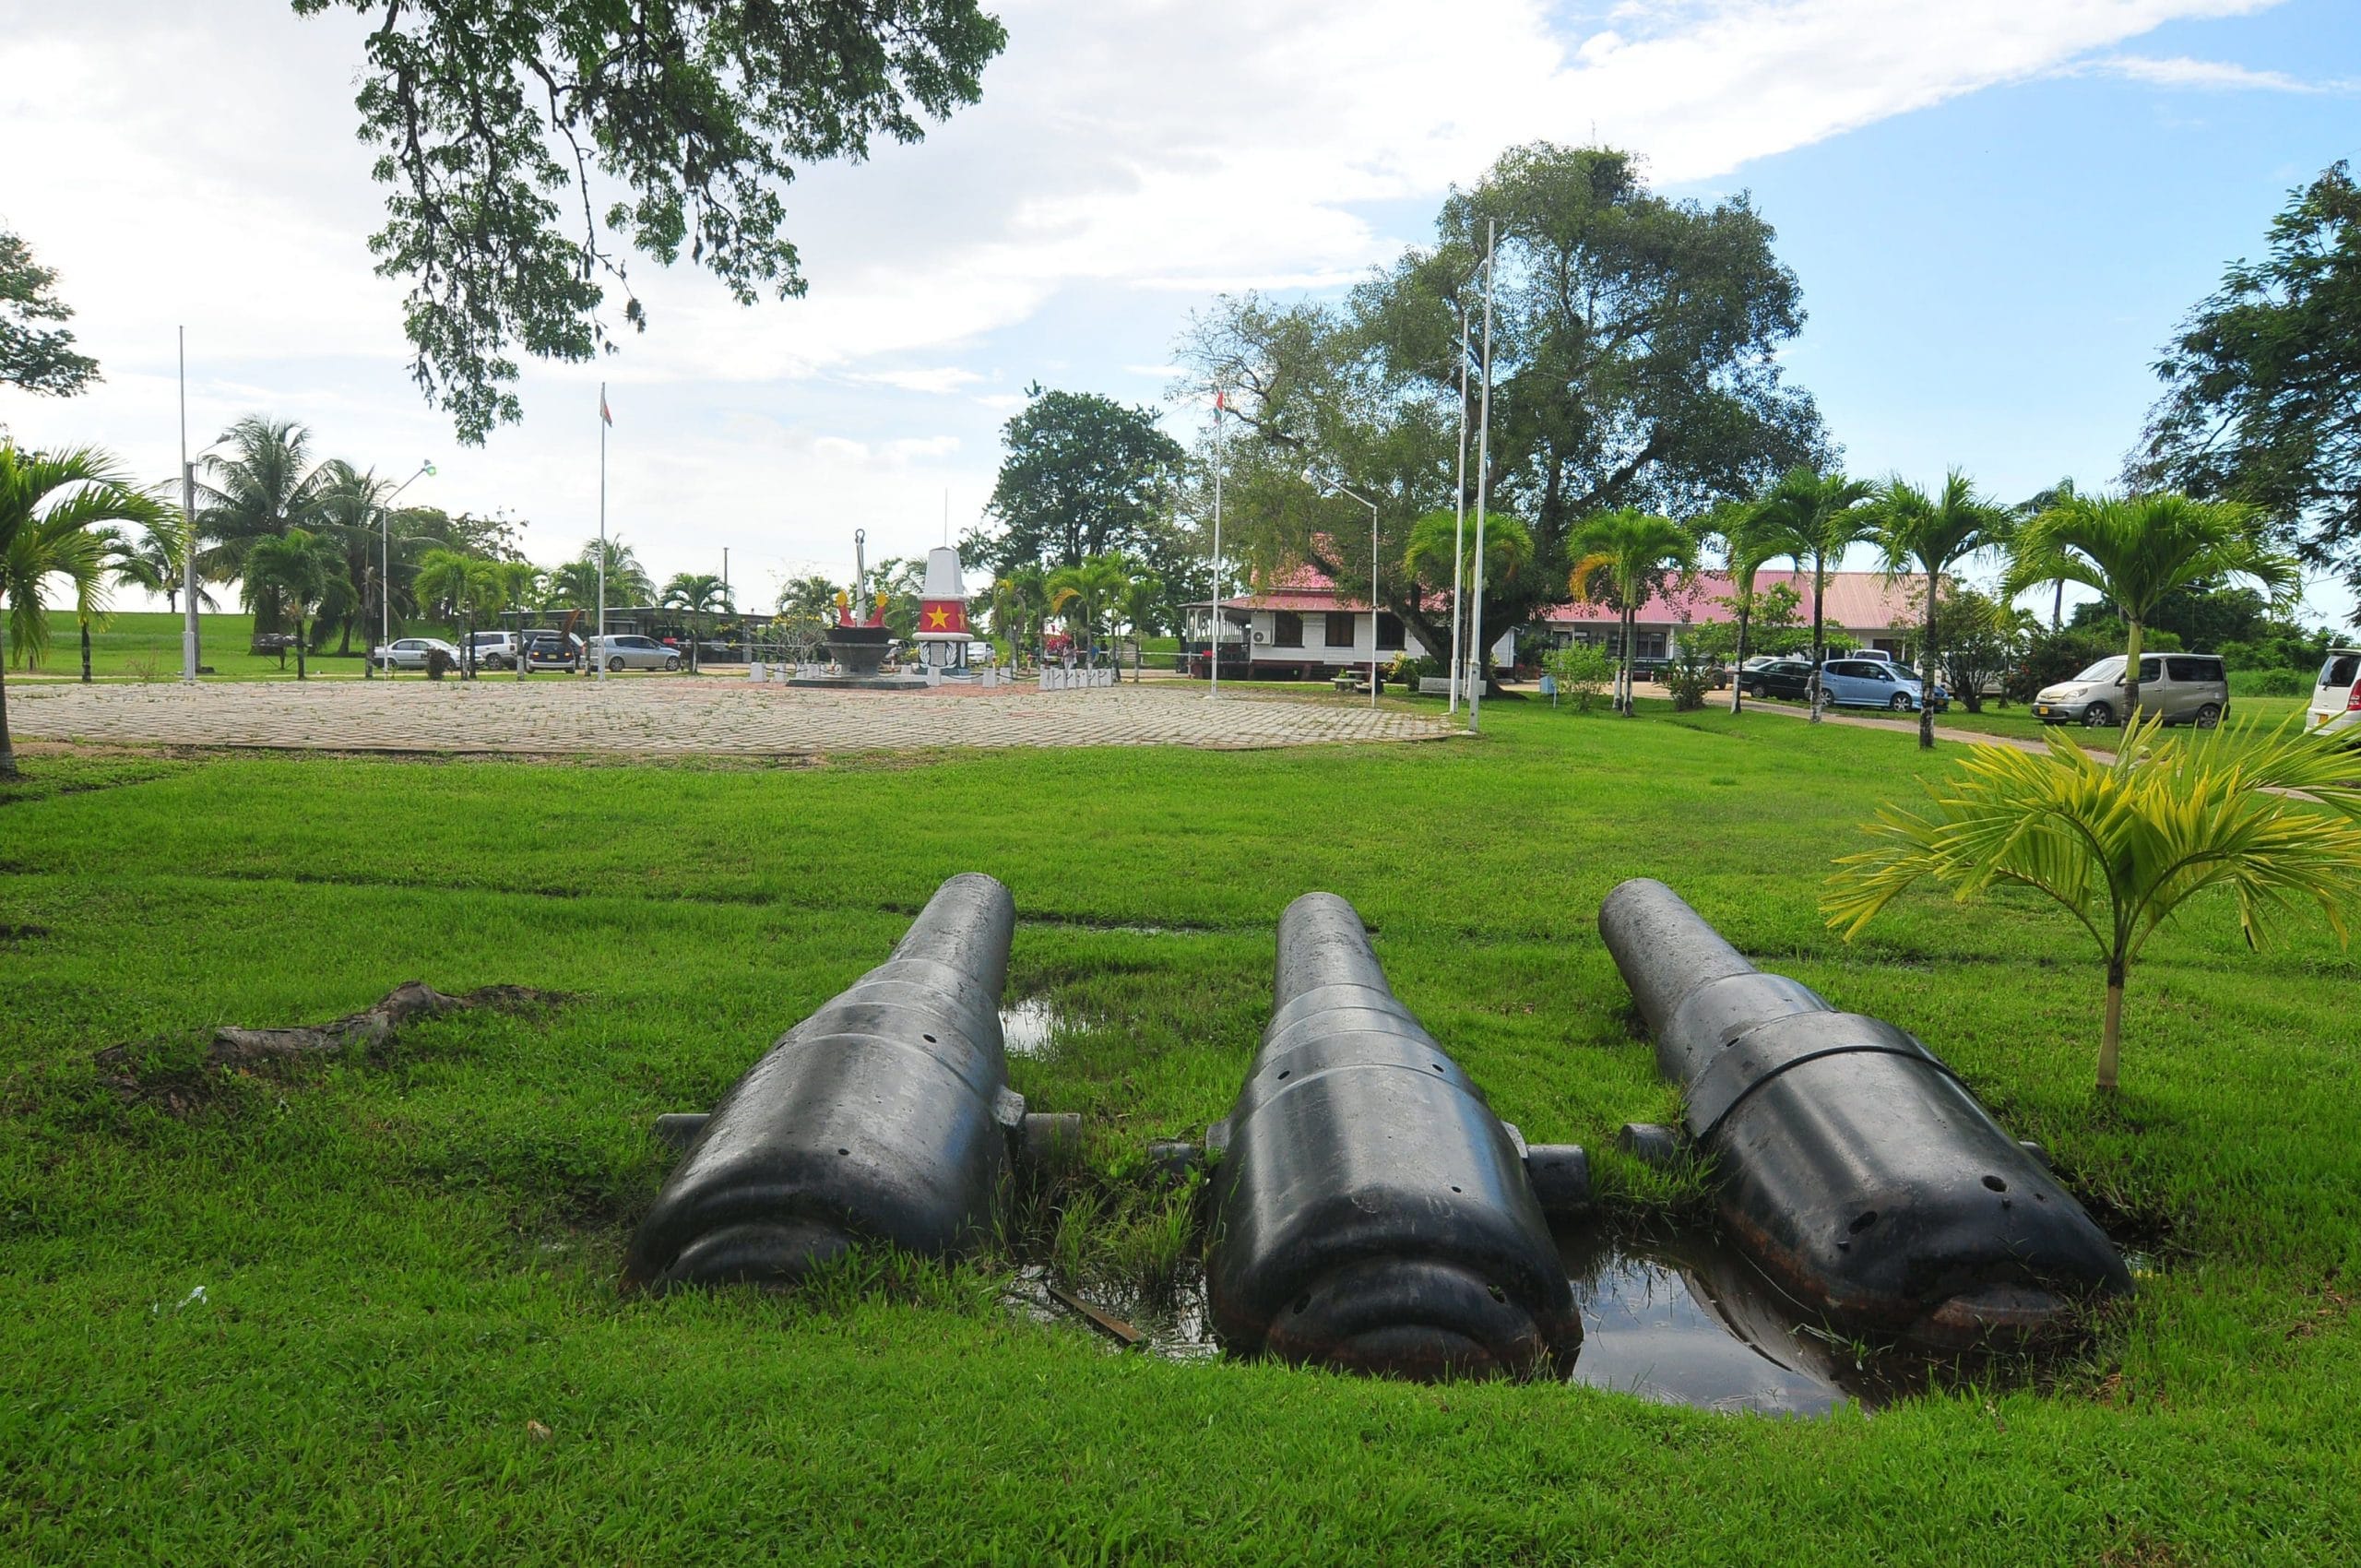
(754, 671)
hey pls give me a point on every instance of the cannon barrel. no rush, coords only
(1370, 1213)
(886, 1116)
(1854, 1167)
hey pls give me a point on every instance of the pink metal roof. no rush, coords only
(1863, 600)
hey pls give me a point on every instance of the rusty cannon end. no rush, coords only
(1851, 1163)
(885, 1116)
(1370, 1213)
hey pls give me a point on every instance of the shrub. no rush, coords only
(1582, 671)
(2052, 657)
(1686, 678)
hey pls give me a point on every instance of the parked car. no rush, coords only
(493, 650)
(411, 653)
(546, 649)
(2336, 702)
(2181, 688)
(1777, 678)
(1850, 682)
(621, 650)
(1856, 681)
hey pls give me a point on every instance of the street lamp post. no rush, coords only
(385, 570)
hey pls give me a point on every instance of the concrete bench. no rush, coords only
(1434, 685)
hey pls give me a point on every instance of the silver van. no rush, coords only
(2181, 688)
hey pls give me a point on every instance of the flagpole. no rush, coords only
(1483, 471)
(190, 652)
(1212, 647)
(598, 640)
(1459, 520)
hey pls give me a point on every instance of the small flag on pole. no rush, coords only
(1221, 399)
(602, 404)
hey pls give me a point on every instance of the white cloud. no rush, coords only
(938, 380)
(2218, 75)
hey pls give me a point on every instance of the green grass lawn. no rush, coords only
(135, 645)
(405, 1261)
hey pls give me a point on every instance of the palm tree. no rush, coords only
(1096, 586)
(1743, 555)
(350, 508)
(302, 569)
(1508, 550)
(2120, 845)
(154, 561)
(2137, 549)
(459, 587)
(265, 487)
(1142, 608)
(572, 585)
(697, 595)
(1932, 534)
(53, 514)
(1621, 557)
(1019, 603)
(1812, 517)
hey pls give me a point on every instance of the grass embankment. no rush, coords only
(404, 1263)
(145, 644)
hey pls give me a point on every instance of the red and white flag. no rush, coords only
(602, 404)
(1221, 401)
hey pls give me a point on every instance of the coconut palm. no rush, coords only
(2138, 549)
(458, 587)
(302, 570)
(349, 509)
(152, 560)
(698, 595)
(1142, 609)
(1088, 592)
(1932, 534)
(1019, 604)
(2121, 844)
(54, 515)
(1620, 559)
(1812, 517)
(264, 486)
(1508, 550)
(1744, 554)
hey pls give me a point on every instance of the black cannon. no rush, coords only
(1854, 1167)
(1369, 1211)
(886, 1116)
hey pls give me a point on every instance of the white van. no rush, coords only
(2336, 701)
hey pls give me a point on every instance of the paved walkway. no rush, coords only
(674, 714)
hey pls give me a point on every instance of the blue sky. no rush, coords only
(1998, 211)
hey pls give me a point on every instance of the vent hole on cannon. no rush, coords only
(928, 1038)
(1303, 1300)
(1996, 1183)
(1862, 1221)
(1285, 1073)
(1436, 1065)
(844, 1151)
(1497, 1294)
(1454, 1189)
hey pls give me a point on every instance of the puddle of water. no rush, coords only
(1027, 1028)
(1178, 1329)
(1685, 1321)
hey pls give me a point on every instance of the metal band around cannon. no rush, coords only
(1762, 1053)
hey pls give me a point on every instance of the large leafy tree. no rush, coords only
(35, 355)
(2138, 549)
(2262, 400)
(1623, 557)
(57, 517)
(529, 145)
(2121, 844)
(1812, 518)
(1929, 535)
(1082, 475)
(1635, 344)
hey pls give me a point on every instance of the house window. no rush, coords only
(1340, 628)
(1650, 645)
(1287, 629)
(1389, 630)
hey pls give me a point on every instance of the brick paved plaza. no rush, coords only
(674, 714)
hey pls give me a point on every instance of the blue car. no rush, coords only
(1870, 683)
